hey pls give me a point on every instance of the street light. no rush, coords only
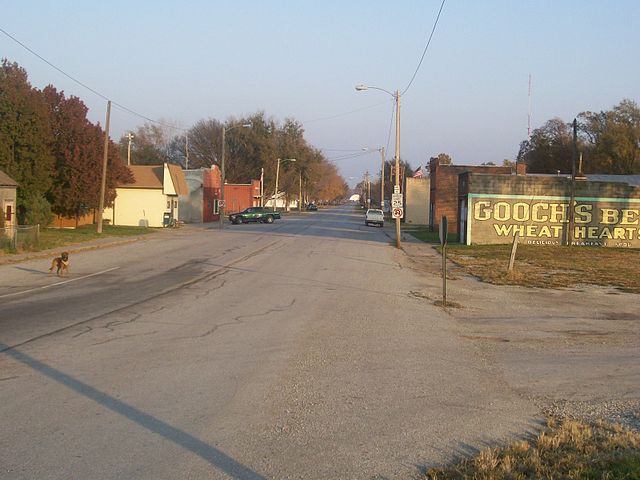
(222, 171)
(275, 196)
(396, 97)
(381, 150)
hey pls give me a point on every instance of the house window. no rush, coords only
(168, 204)
(215, 206)
(8, 216)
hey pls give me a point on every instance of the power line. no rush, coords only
(340, 149)
(331, 117)
(350, 156)
(95, 92)
(393, 114)
(435, 24)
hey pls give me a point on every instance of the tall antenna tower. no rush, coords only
(529, 114)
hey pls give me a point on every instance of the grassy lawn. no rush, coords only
(563, 450)
(55, 238)
(427, 236)
(551, 266)
(548, 266)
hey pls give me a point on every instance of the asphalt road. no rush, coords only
(301, 349)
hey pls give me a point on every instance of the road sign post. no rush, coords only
(443, 242)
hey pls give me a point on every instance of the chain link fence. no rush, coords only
(19, 236)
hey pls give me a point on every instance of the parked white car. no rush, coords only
(374, 216)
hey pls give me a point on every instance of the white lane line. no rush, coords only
(44, 287)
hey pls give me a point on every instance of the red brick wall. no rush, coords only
(240, 196)
(211, 193)
(444, 190)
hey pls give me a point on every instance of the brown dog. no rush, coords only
(61, 264)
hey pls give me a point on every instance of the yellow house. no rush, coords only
(154, 192)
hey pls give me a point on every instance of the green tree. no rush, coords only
(549, 149)
(612, 139)
(25, 139)
(444, 159)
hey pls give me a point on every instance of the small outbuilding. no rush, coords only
(8, 196)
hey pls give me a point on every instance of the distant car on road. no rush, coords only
(254, 214)
(374, 216)
(312, 207)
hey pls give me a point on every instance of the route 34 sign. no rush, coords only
(397, 213)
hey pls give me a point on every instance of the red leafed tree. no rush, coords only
(78, 149)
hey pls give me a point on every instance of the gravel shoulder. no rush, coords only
(574, 352)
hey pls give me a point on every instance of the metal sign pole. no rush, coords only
(444, 228)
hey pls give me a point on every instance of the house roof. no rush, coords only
(178, 179)
(6, 180)
(146, 176)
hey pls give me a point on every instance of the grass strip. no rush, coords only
(544, 266)
(60, 237)
(551, 266)
(563, 450)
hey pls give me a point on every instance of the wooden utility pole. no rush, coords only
(397, 97)
(105, 158)
(573, 184)
(130, 137)
(382, 181)
(300, 194)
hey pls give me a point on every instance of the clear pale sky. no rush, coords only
(185, 61)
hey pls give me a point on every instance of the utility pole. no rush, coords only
(573, 184)
(129, 136)
(186, 151)
(368, 188)
(382, 180)
(275, 196)
(105, 158)
(222, 180)
(300, 194)
(529, 113)
(262, 187)
(397, 97)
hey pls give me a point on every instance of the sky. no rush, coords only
(181, 62)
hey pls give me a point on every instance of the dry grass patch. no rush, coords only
(563, 450)
(551, 266)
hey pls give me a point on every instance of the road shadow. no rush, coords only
(212, 455)
(32, 270)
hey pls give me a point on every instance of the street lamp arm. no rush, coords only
(369, 87)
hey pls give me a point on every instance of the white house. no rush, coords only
(153, 193)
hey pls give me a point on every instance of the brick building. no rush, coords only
(494, 208)
(238, 196)
(444, 189)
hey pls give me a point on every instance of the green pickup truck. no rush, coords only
(254, 214)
